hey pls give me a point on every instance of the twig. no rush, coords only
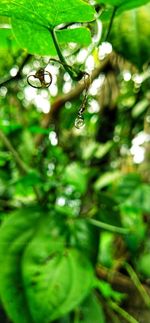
(138, 284)
(18, 75)
(122, 312)
(120, 282)
(107, 226)
(110, 23)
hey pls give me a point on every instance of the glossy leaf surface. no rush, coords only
(32, 21)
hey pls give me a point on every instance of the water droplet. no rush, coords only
(79, 122)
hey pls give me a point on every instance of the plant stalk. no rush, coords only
(138, 284)
(110, 23)
(122, 312)
(107, 226)
(75, 75)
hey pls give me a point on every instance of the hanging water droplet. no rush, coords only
(79, 122)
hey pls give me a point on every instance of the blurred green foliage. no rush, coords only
(56, 265)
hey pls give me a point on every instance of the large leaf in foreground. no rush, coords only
(32, 21)
(54, 272)
(38, 40)
(48, 13)
(15, 232)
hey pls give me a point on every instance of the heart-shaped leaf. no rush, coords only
(33, 20)
(38, 40)
(48, 13)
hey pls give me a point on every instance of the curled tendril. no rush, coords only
(41, 74)
(79, 121)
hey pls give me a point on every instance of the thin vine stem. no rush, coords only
(75, 75)
(138, 284)
(122, 312)
(18, 75)
(107, 226)
(110, 23)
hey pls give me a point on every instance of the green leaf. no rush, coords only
(55, 274)
(108, 209)
(106, 249)
(89, 150)
(80, 271)
(126, 186)
(103, 149)
(107, 291)
(36, 129)
(143, 265)
(132, 219)
(7, 39)
(76, 176)
(139, 108)
(32, 178)
(130, 33)
(80, 35)
(38, 40)
(4, 157)
(107, 179)
(140, 198)
(10, 127)
(91, 311)
(48, 13)
(33, 37)
(84, 237)
(15, 232)
(32, 22)
(124, 4)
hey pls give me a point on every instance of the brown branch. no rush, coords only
(73, 94)
(120, 282)
(18, 75)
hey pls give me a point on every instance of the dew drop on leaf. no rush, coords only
(79, 122)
